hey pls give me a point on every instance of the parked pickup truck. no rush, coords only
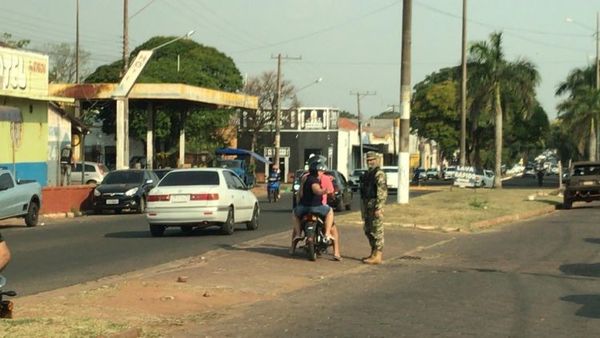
(19, 198)
(582, 183)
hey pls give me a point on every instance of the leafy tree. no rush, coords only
(199, 66)
(435, 116)
(347, 114)
(580, 111)
(7, 40)
(265, 87)
(62, 63)
(498, 78)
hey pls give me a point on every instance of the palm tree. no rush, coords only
(580, 111)
(500, 78)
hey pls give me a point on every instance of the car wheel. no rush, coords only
(187, 229)
(118, 211)
(31, 219)
(253, 224)
(339, 205)
(349, 206)
(567, 204)
(141, 205)
(228, 227)
(91, 182)
(157, 230)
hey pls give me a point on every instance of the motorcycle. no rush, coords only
(6, 306)
(315, 243)
(273, 189)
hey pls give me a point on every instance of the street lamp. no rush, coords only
(320, 79)
(121, 96)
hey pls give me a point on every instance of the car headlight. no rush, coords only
(296, 187)
(97, 193)
(131, 192)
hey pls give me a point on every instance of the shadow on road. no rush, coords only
(590, 305)
(174, 232)
(581, 269)
(592, 240)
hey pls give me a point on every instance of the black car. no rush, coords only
(354, 178)
(124, 189)
(340, 199)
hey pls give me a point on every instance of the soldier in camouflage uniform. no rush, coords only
(373, 193)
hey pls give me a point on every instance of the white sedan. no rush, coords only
(202, 197)
(391, 176)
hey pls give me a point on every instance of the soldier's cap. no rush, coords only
(372, 155)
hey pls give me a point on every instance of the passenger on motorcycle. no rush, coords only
(4, 254)
(311, 201)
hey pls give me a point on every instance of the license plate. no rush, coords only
(112, 201)
(180, 198)
(588, 182)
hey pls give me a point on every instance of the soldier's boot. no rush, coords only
(376, 259)
(370, 256)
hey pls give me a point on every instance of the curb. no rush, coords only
(512, 218)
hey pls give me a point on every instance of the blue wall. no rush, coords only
(30, 171)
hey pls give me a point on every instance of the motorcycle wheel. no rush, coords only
(310, 250)
(270, 194)
(275, 195)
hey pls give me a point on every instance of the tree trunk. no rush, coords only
(498, 136)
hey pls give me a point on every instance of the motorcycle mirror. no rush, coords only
(2, 281)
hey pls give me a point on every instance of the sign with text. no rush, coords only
(132, 74)
(23, 74)
(283, 151)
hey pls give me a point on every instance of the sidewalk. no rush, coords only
(186, 293)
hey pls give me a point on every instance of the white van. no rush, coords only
(391, 176)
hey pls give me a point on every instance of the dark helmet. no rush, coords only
(316, 166)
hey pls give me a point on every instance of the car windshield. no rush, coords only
(190, 178)
(390, 170)
(586, 170)
(229, 163)
(123, 177)
(358, 172)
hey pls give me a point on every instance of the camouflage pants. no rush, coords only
(374, 230)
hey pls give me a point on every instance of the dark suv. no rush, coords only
(583, 183)
(340, 199)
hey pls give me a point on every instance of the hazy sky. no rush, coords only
(354, 45)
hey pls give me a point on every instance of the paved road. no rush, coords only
(534, 279)
(70, 251)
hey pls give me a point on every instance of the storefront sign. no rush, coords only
(23, 74)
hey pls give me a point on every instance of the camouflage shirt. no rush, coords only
(374, 188)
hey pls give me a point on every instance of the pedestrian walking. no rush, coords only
(373, 194)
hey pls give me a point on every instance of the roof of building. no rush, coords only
(156, 91)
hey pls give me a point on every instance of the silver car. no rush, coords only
(94, 173)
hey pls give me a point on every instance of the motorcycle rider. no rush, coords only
(4, 254)
(311, 201)
(274, 176)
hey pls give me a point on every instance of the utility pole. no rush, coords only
(278, 103)
(597, 80)
(405, 93)
(463, 89)
(77, 45)
(125, 36)
(394, 126)
(360, 139)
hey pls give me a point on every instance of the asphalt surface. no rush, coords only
(538, 278)
(66, 252)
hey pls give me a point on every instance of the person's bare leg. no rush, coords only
(328, 223)
(336, 242)
(296, 231)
